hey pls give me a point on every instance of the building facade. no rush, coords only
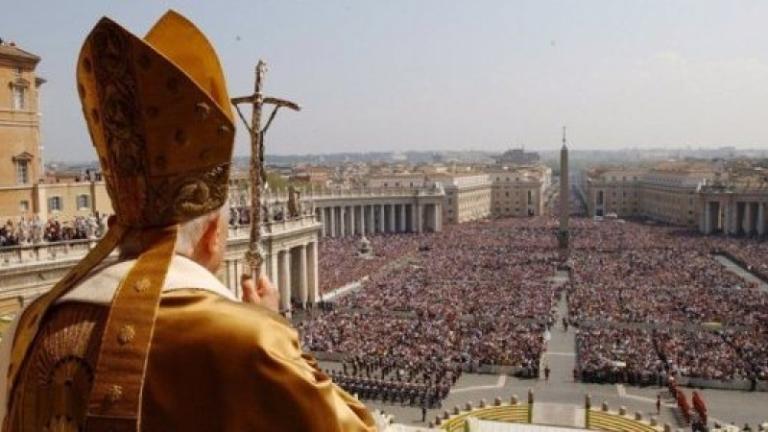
(24, 188)
(735, 203)
(520, 192)
(707, 196)
(20, 163)
(664, 193)
(482, 192)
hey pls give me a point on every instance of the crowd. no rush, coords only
(648, 301)
(339, 263)
(645, 296)
(474, 296)
(33, 230)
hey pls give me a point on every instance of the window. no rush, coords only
(18, 97)
(54, 204)
(24, 206)
(530, 197)
(22, 171)
(83, 202)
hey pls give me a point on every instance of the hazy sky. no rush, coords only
(450, 75)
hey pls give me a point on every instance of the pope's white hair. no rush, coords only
(187, 238)
(190, 232)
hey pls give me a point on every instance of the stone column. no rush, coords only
(748, 218)
(371, 220)
(730, 218)
(403, 226)
(303, 277)
(419, 219)
(333, 220)
(273, 272)
(312, 278)
(363, 226)
(352, 216)
(342, 222)
(435, 218)
(392, 226)
(707, 217)
(761, 218)
(322, 221)
(382, 226)
(285, 281)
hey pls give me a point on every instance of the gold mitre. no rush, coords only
(160, 118)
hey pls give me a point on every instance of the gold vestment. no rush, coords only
(215, 365)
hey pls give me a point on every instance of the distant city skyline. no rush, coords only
(492, 75)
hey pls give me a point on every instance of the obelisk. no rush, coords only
(563, 233)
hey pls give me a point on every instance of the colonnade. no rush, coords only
(734, 217)
(351, 219)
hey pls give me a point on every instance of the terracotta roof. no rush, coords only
(8, 50)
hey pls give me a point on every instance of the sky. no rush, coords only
(399, 75)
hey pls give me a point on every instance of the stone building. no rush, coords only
(667, 192)
(520, 191)
(710, 197)
(468, 196)
(735, 202)
(24, 188)
(613, 190)
(20, 163)
(481, 192)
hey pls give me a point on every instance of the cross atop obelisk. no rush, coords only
(563, 233)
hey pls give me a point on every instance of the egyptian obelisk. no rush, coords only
(563, 233)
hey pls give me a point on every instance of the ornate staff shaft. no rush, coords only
(254, 256)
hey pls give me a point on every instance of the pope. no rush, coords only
(151, 340)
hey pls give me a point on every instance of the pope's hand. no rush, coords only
(263, 292)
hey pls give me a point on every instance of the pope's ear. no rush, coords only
(211, 235)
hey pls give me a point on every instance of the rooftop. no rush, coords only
(10, 50)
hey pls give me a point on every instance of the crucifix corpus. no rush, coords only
(254, 256)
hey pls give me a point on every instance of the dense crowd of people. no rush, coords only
(648, 301)
(474, 296)
(339, 263)
(33, 230)
(643, 294)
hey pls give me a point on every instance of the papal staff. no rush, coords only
(254, 256)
